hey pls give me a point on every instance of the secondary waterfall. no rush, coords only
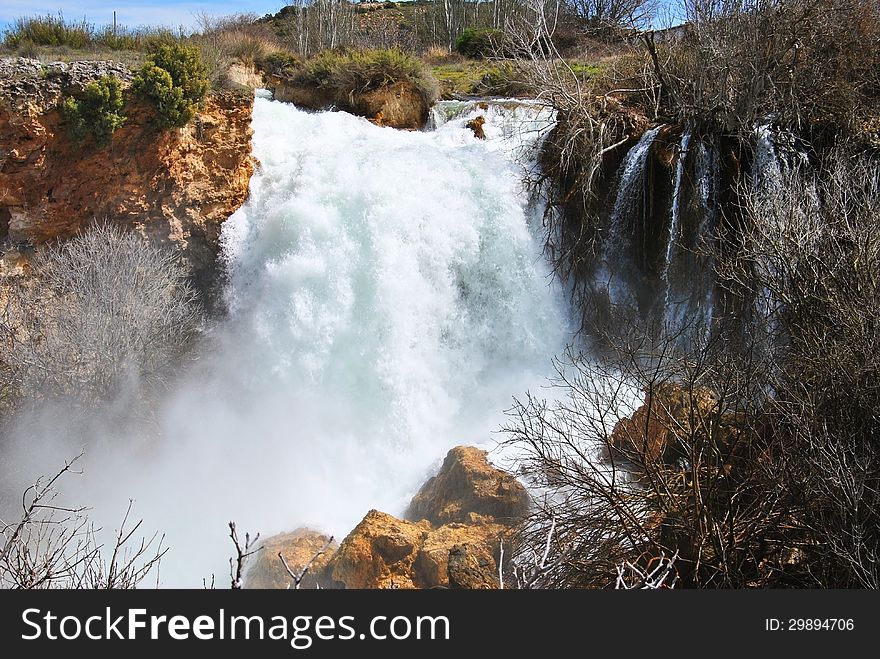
(617, 273)
(656, 254)
(387, 298)
(687, 270)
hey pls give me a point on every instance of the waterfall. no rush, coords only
(617, 273)
(687, 271)
(674, 221)
(387, 298)
(766, 165)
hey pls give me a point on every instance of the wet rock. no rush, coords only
(476, 125)
(670, 414)
(471, 568)
(378, 553)
(385, 552)
(468, 487)
(298, 548)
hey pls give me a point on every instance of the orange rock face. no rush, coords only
(385, 552)
(670, 414)
(479, 506)
(298, 548)
(176, 186)
(468, 485)
(379, 553)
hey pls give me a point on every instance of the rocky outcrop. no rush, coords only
(466, 488)
(476, 126)
(467, 510)
(299, 549)
(400, 105)
(657, 430)
(470, 568)
(385, 552)
(379, 553)
(175, 187)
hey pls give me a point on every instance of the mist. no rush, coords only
(387, 298)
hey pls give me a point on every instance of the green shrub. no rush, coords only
(176, 80)
(343, 74)
(279, 62)
(97, 114)
(57, 32)
(475, 42)
(48, 30)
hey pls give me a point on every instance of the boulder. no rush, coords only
(304, 96)
(670, 414)
(470, 568)
(298, 548)
(400, 105)
(476, 125)
(468, 488)
(385, 552)
(432, 565)
(450, 539)
(378, 553)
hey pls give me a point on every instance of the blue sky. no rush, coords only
(139, 12)
(167, 13)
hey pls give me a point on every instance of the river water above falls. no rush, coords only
(388, 297)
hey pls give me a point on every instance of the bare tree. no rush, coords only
(808, 63)
(242, 553)
(299, 576)
(660, 573)
(601, 15)
(56, 546)
(751, 457)
(812, 258)
(99, 313)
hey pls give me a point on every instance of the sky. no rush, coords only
(169, 13)
(164, 13)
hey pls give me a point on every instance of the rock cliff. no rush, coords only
(175, 187)
(456, 524)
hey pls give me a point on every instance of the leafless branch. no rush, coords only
(298, 577)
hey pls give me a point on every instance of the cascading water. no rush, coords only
(687, 271)
(616, 273)
(768, 168)
(766, 165)
(387, 298)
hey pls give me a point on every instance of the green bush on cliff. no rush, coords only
(97, 114)
(176, 80)
(362, 71)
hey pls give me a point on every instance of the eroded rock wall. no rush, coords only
(176, 187)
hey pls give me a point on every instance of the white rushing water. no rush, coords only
(616, 271)
(688, 267)
(675, 218)
(387, 297)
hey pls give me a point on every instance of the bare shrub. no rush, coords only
(99, 313)
(681, 477)
(812, 64)
(752, 458)
(812, 255)
(55, 546)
